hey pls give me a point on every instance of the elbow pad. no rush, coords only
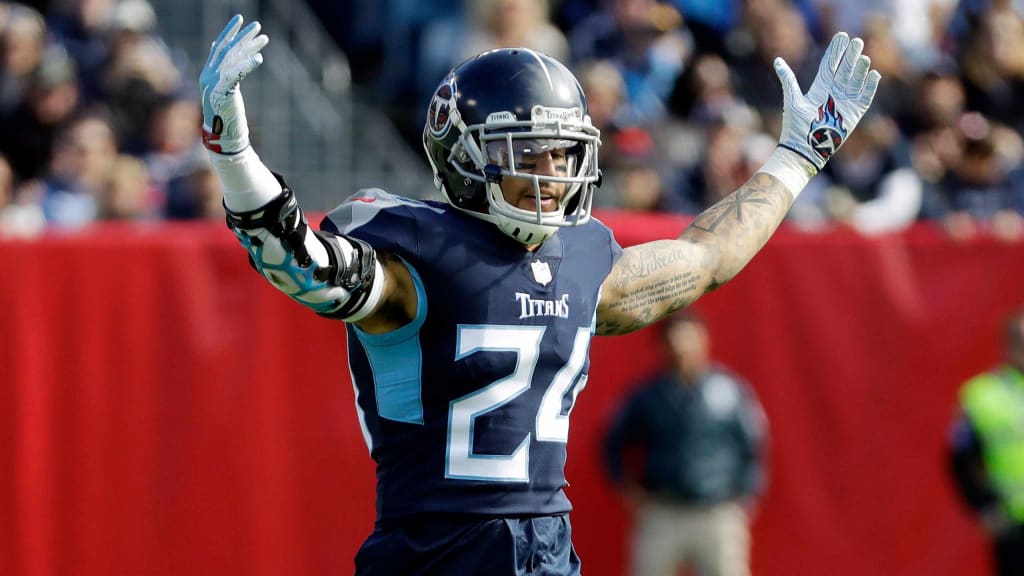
(336, 276)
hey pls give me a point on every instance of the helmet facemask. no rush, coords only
(501, 147)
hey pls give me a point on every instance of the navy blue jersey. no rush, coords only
(466, 409)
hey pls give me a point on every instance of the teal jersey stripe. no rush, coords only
(396, 359)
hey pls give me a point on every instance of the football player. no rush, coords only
(469, 321)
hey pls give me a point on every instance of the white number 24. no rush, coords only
(551, 425)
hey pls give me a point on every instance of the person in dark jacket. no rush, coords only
(701, 435)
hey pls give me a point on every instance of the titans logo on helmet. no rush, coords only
(439, 114)
(827, 132)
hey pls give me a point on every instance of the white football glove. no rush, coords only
(815, 125)
(233, 55)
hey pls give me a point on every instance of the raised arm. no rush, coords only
(654, 279)
(334, 275)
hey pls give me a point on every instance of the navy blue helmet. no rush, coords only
(488, 113)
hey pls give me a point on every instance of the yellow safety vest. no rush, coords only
(994, 403)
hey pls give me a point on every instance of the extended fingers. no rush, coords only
(849, 62)
(220, 45)
(870, 87)
(247, 34)
(243, 59)
(854, 77)
(239, 53)
(833, 55)
(256, 44)
(830, 62)
(790, 87)
(242, 51)
(251, 31)
(860, 74)
(245, 56)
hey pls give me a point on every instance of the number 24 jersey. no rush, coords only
(466, 409)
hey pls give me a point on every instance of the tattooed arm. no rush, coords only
(655, 279)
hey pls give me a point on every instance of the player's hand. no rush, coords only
(233, 55)
(815, 125)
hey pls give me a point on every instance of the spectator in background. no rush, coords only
(981, 188)
(932, 126)
(993, 65)
(704, 97)
(921, 29)
(83, 156)
(873, 188)
(79, 26)
(510, 24)
(125, 193)
(195, 196)
(777, 29)
(483, 25)
(734, 150)
(606, 98)
(632, 164)
(709, 21)
(174, 145)
(22, 42)
(706, 91)
(16, 218)
(918, 26)
(702, 435)
(649, 44)
(987, 450)
(896, 98)
(139, 75)
(939, 100)
(633, 179)
(836, 15)
(51, 101)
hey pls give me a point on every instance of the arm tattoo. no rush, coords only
(647, 280)
(740, 224)
(655, 279)
(711, 218)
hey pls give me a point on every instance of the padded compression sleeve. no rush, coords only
(334, 275)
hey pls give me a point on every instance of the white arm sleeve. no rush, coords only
(248, 184)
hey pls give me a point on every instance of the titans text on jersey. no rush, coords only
(533, 307)
(466, 409)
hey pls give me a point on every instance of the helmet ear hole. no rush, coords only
(468, 195)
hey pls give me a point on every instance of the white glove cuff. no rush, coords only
(793, 170)
(248, 184)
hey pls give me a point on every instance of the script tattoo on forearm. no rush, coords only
(647, 287)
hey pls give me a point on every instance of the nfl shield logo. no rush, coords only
(541, 272)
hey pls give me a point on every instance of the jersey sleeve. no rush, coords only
(387, 222)
(615, 250)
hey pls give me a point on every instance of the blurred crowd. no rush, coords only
(686, 98)
(98, 121)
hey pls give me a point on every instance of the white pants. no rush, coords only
(713, 540)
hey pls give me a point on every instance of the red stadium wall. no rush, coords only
(165, 412)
